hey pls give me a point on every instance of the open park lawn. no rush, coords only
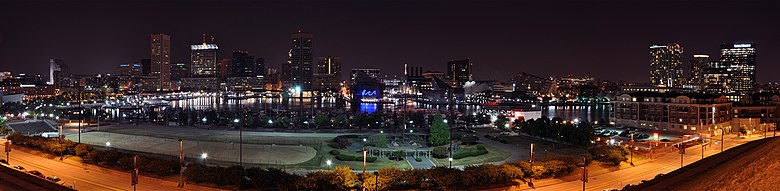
(493, 155)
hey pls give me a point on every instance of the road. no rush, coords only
(91, 177)
(634, 175)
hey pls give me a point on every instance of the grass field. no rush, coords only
(219, 151)
(358, 165)
(493, 155)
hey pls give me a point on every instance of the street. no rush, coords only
(91, 177)
(634, 175)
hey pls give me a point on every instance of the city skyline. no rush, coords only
(529, 46)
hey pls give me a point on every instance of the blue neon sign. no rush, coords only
(368, 93)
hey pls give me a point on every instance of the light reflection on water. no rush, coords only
(589, 113)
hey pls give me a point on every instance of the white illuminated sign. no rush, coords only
(742, 46)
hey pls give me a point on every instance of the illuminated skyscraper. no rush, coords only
(698, 63)
(328, 74)
(298, 71)
(203, 60)
(161, 60)
(741, 61)
(666, 68)
(459, 71)
(59, 73)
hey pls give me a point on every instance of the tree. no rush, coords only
(501, 122)
(379, 140)
(82, 149)
(322, 120)
(609, 154)
(439, 132)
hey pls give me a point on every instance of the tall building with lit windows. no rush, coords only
(459, 71)
(161, 60)
(297, 72)
(741, 61)
(203, 60)
(697, 64)
(328, 74)
(666, 68)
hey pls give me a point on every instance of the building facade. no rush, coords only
(697, 65)
(203, 60)
(741, 61)
(298, 70)
(688, 113)
(59, 74)
(459, 71)
(328, 76)
(666, 68)
(161, 60)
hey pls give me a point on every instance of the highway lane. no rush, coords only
(90, 177)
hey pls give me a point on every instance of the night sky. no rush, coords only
(605, 39)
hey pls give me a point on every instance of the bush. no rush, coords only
(469, 153)
(346, 157)
(341, 141)
(334, 152)
(609, 155)
(469, 140)
(400, 154)
(481, 147)
(418, 159)
(440, 152)
(368, 159)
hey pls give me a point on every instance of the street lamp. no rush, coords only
(240, 143)
(108, 144)
(328, 162)
(204, 156)
(450, 159)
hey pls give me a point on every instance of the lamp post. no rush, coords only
(363, 176)
(531, 160)
(204, 156)
(181, 164)
(328, 162)
(376, 180)
(631, 147)
(240, 143)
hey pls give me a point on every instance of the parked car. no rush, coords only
(3, 161)
(36, 173)
(503, 141)
(53, 178)
(504, 133)
(20, 168)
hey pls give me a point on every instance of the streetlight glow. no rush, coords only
(204, 155)
(108, 144)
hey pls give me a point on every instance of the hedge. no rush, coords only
(335, 152)
(348, 157)
(470, 152)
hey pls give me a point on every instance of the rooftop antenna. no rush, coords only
(204, 39)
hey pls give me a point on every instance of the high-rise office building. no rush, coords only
(224, 70)
(180, 70)
(666, 68)
(373, 73)
(329, 65)
(161, 60)
(741, 61)
(716, 78)
(260, 67)
(459, 71)
(203, 60)
(328, 74)
(242, 64)
(698, 63)
(146, 66)
(298, 70)
(59, 73)
(130, 69)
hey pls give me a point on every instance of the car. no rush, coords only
(488, 136)
(503, 141)
(36, 173)
(20, 168)
(665, 140)
(3, 161)
(53, 178)
(504, 133)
